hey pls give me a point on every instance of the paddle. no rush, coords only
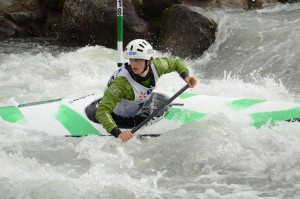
(159, 109)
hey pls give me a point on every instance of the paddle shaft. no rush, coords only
(159, 109)
(139, 136)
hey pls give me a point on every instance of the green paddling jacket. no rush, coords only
(111, 98)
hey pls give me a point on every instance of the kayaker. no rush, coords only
(131, 85)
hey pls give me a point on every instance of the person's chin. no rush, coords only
(136, 72)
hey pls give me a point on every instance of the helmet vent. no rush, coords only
(141, 45)
(131, 48)
(140, 50)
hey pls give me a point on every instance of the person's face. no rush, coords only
(137, 65)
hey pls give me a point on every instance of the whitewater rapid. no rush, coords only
(211, 158)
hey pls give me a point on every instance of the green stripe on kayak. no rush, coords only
(187, 95)
(76, 124)
(244, 103)
(12, 114)
(183, 115)
(260, 119)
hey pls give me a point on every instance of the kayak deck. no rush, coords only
(76, 116)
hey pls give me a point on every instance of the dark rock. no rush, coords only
(245, 4)
(289, 1)
(201, 3)
(91, 22)
(7, 28)
(55, 5)
(253, 4)
(187, 33)
(22, 6)
(23, 19)
(52, 9)
(7, 3)
(94, 22)
(155, 8)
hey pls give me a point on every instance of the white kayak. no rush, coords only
(74, 116)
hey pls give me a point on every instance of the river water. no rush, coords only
(256, 55)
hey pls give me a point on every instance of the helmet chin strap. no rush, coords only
(145, 68)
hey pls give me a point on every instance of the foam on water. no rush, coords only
(218, 157)
(210, 158)
(256, 44)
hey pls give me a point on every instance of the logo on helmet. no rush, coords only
(132, 53)
(150, 51)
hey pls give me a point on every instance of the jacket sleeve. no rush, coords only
(118, 89)
(167, 65)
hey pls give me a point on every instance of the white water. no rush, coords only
(213, 158)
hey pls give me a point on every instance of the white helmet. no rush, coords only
(139, 49)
